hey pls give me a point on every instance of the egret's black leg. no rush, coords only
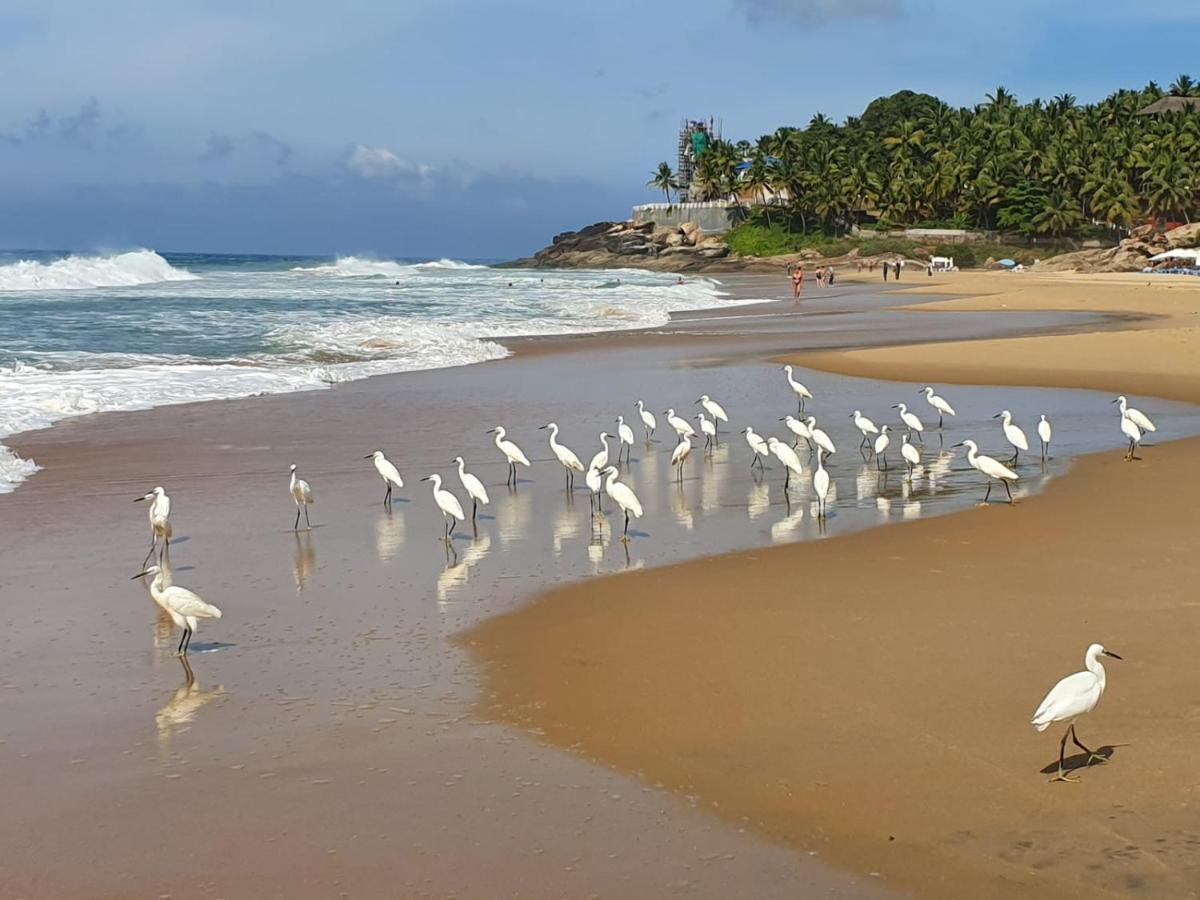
(989, 491)
(296, 527)
(307, 523)
(626, 524)
(450, 531)
(1007, 488)
(387, 495)
(179, 649)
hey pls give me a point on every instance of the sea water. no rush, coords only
(82, 334)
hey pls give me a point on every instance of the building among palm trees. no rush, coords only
(1170, 105)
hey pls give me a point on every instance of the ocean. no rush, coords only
(81, 334)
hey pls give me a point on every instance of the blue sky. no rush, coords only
(465, 127)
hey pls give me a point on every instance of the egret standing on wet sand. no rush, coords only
(1013, 434)
(758, 445)
(798, 389)
(881, 445)
(938, 403)
(1139, 418)
(1045, 432)
(680, 453)
(570, 462)
(708, 429)
(159, 513)
(800, 430)
(1130, 430)
(910, 421)
(992, 469)
(819, 437)
(302, 496)
(648, 420)
(595, 482)
(681, 425)
(600, 458)
(865, 425)
(624, 439)
(388, 472)
(714, 409)
(624, 497)
(1071, 698)
(447, 503)
(911, 455)
(512, 453)
(472, 485)
(183, 606)
(787, 456)
(821, 483)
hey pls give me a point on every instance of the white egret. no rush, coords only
(451, 509)
(881, 445)
(302, 496)
(992, 469)
(570, 462)
(800, 430)
(1013, 434)
(708, 429)
(758, 445)
(600, 459)
(818, 436)
(820, 482)
(648, 420)
(624, 439)
(787, 456)
(680, 453)
(1139, 418)
(183, 606)
(714, 409)
(1045, 432)
(865, 425)
(910, 421)
(158, 513)
(624, 497)
(388, 472)
(681, 425)
(1130, 430)
(594, 480)
(512, 453)
(938, 403)
(1071, 698)
(911, 455)
(473, 486)
(798, 389)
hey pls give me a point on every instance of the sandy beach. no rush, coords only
(380, 715)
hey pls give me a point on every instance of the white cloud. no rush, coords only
(381, 163)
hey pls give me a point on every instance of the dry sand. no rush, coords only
(868, 696)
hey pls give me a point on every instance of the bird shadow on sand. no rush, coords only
(209, 647)
(635, 533)
(1079, 761)
(300, 531)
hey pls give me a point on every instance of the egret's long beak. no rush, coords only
(997, 415)
(782, 419)
(139, 499)
(139, 575)
(1113, 655)
(368, 456)
(959, 444)
(540, 428)
(1114, 400)
(852, 414)
(426, 478)
(490, 431)
(894, 406)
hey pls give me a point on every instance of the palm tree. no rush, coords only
(1182, 86)
(664, 180)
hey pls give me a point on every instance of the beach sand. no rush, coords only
(868, 696)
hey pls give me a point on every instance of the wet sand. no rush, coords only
(868, 695)
(330, 740)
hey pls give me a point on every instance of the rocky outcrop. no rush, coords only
(1131, 255)
(607, 245)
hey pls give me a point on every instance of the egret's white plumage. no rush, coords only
(681, 425)
(713, 408)
(1130, 430)
(758, 445)
(564, 454)
(1012, 433)
(708, 429)
(681, 452)
(881, 444)
(158, 512)
(911, 454)
(1045, 432)
(512, 453)
(864, 425)
(799, 429)
(302, 496)
(818, 436)
(911, 421)
(788, 457)
(447, 504)
(1071, 698)
(600, 459)
(939, 404)
(388, 472)
(802, 393)
(472, 485)
(992, 469)
(624, 497)
(183, 606)
(595, 482)
(1139, 418)
(820, 483)
(648, 420)
(624, 439)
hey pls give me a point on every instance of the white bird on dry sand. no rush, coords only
(1013, 434)
(799, 429)
(1045, 432)
(911, 422)
(183, 606)
(388, 472)
(1071, 698)
(447, 504)
(787, 456)
(624, 438)
(648, 420)
(708, 429)
(681, 426)
(881, 444)
(514, 454)
(473, 486)
(158, 513)
(624, 497)
(758, 445)
(802, 393)
(818, 436)
(821, 484)
(1130, 430)
(911, 455)
(681, 452)
(992, 469)
(714, 409)
(865, 425)
(302, 496)
(564, 454)
(939, 404)
(1139, 418)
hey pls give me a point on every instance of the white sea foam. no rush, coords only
(81, 272)
(359, 267)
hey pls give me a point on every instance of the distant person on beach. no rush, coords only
(829, 277)
(897, 270)
(886, 265)
(797, 282)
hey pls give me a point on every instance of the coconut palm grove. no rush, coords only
(1047, 167)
